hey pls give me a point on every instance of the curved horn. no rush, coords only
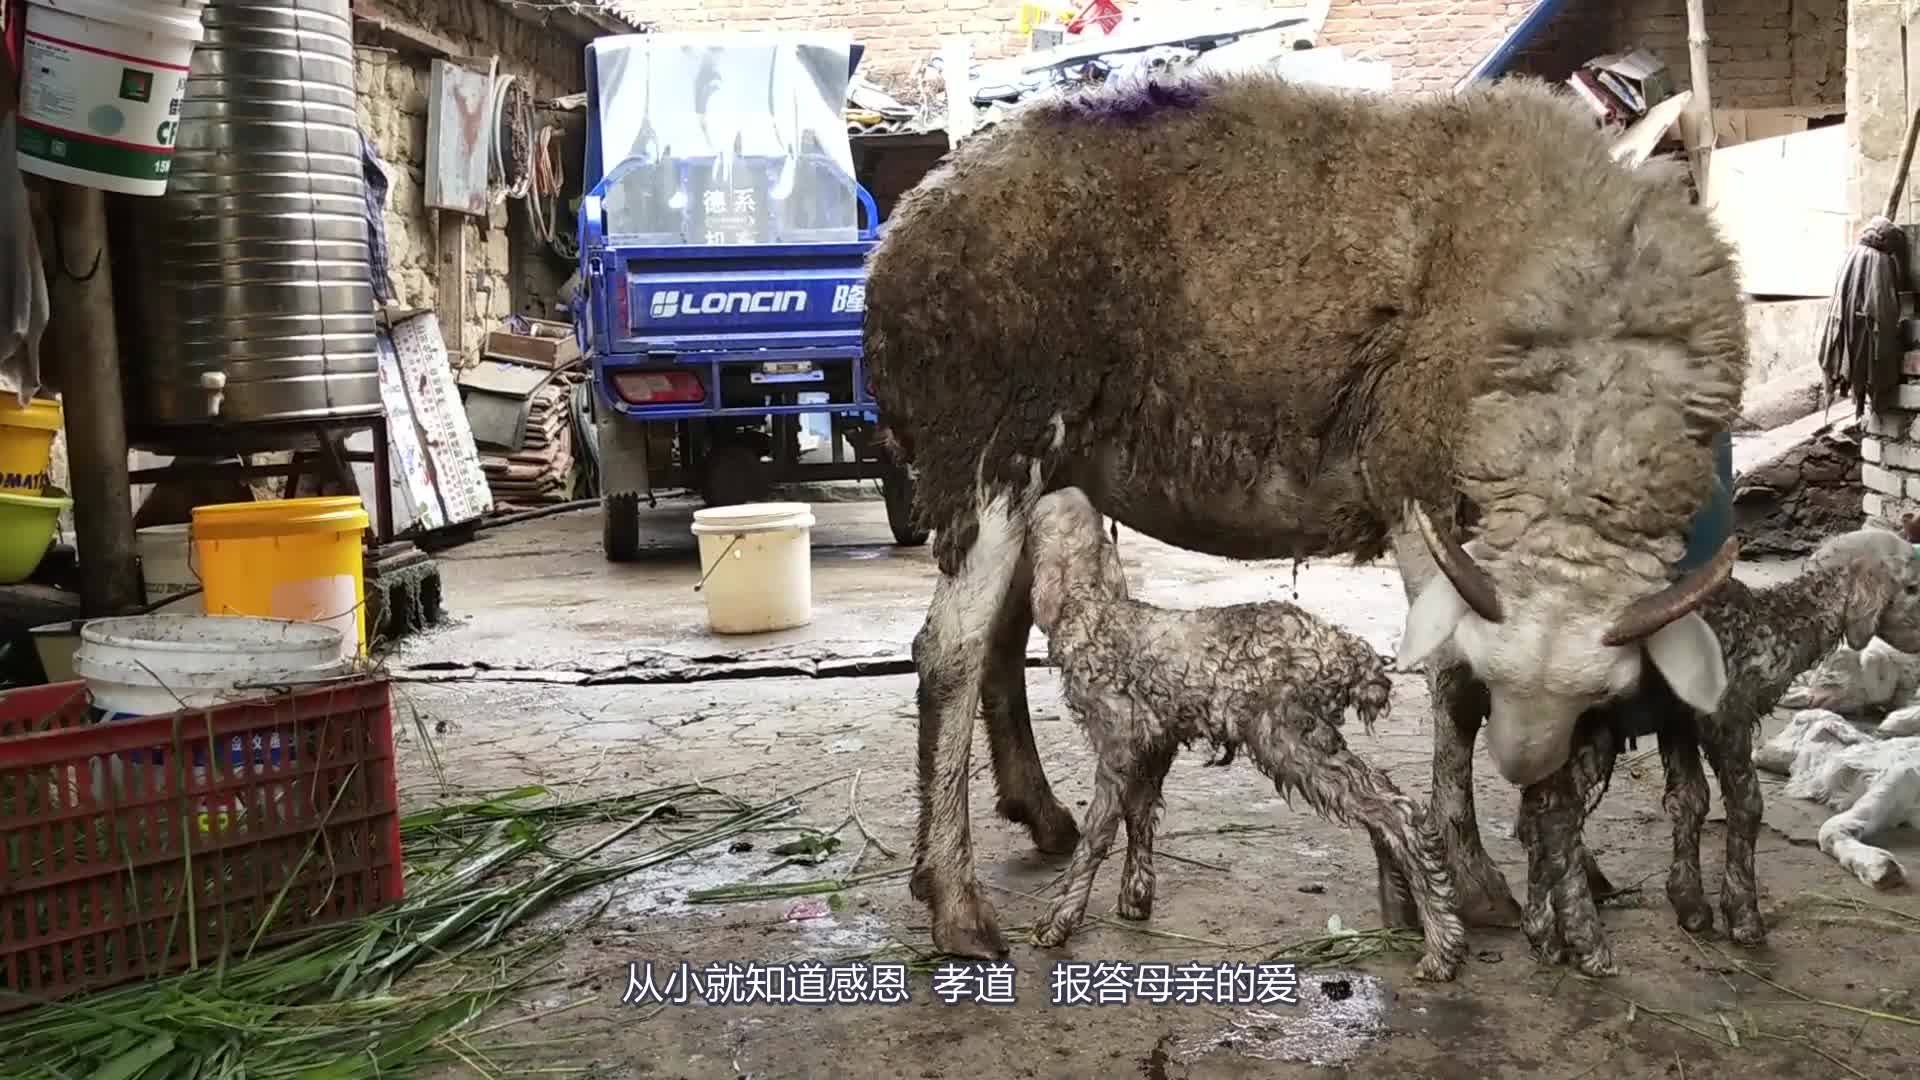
(1650, 613)
(1474, 586)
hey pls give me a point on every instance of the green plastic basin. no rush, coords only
(27, 524)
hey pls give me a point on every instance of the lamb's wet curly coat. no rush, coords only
(1269, 677)
(1855, 587)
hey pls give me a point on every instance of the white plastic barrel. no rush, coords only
(100, 100)
(756, 562)
(147, 664)
(165, 562)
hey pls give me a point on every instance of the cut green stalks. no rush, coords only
(330, 1005)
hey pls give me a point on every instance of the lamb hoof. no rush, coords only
(1134, 908)
(1599, 963)
(1749, 932)
(1695, 919)
(1052, 932)
(1052, 828)
(966, 929)
(1432, 968)
(1881, 874)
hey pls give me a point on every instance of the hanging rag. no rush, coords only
(1860, 349)
(1860, 344)
(23, 299)
(376, 201)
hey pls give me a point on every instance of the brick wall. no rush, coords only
(1764, 52)
(393, 85)
(898, 34)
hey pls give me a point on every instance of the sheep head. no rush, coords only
(1882, 592)
(1551, 654)
(1070, 553)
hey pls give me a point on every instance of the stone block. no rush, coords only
(1885, 481)
(1870, 450)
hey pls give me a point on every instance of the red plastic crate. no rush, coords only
(100, 823)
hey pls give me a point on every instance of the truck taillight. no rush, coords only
(622, 315)
(658, 387)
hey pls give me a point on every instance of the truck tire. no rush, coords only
(897, 486)
(734, 474)
(620, 527)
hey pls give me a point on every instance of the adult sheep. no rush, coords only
(1261, 320)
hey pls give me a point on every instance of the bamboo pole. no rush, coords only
(1697, 42)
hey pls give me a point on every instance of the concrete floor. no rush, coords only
(563, 669)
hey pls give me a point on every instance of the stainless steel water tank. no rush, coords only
(258, 252)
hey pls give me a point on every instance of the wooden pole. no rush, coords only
(1697, 42)
(82, 339)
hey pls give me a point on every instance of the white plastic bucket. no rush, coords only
(165, 562)
(756, 566)
(147, 664)
(100, 104)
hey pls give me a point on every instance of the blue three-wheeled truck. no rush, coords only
(723, 243)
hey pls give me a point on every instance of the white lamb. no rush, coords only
(1874, 784)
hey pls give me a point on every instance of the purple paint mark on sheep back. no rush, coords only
(1130, 104)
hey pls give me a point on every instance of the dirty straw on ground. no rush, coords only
(332, 1006)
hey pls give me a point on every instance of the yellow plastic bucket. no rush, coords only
(286, 559)
(26, 444)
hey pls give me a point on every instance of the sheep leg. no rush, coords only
(1561, 918)
(1685, 803)
(950, 654)
(1141, 805)
(1025, 796)
(1885, 804)
(1343, 787)
(1397, 909)
(1103, 819)
(1459, 707)
(1730, 750)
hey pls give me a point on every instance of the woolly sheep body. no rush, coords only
(1269, 677)
(1250, 318)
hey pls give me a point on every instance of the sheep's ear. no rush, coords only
(1863, 611)
(1430, 620)
(1687, 654)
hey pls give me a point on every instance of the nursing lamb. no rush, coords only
(1256, 319)
(1146, 681)
(1854, 587)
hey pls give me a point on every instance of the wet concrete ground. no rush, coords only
(595, 679)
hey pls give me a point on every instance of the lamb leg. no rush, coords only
(1301, 755)
(1025, 796)
(1881, 807)
(1731, 752)
(1562, 921)
(1142, 809)
(950, 655)
(1459, 707)
(1685, 803)
(1103, 819)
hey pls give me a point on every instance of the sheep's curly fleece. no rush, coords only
(1463, 293)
